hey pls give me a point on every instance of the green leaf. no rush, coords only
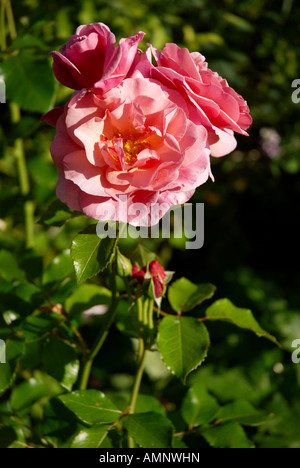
(26, 127)
(127, 319)
(58, 420)
(5, 287)
(64, 290)
(90, 438)
(142, 256)
(86, 296)
(61, 362)
(27, 393)
(242, 412)
(29, 82)
(7, 436)
(199, 407)
(2, 142)
(14, 350)
(28, 292)
(226, 311)
(28, 41)
(230, 435)
(57, 214)
(9, 268)
(179, 444)
(149, 430)
(59, 269)
(226, 384)
(91, 407)
(184, 295)
(238, 22)
(31, 358)
(146, 403)
(90, 254)
(34, 327)
(32, 263)
(183, 343)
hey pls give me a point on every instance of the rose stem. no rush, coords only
(142, 353)
(10, 19)
(23, 179)
(19, 144)
(137, 383)
(2, 26)
(110, 317)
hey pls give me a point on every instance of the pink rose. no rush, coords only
(135, 139)
(215, 105)
(129, 154)
(90, 59)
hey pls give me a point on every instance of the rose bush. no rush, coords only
(135, 138)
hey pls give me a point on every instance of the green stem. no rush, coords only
(145, 312)
(145, 316)
(137, 383)
(19, 147)
(10, 20)
(110, 317)
(23, 179)
(150, 314)
(138, 377)
(19, 144)
(2, 26)
(140, 307)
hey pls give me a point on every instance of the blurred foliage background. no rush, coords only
(251, 214)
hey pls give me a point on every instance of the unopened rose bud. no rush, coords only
(138, 274)
(158, 277)
(157, 274)
(124, 265)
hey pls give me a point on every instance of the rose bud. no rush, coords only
(90, 59)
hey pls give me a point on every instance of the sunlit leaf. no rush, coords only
(29, 82)
(91, 254)
(199, 407)
(91, 406)
(183, 343)
(184, 295)
(90, 438)
(230, 435)
(242, 318)
(60, 361)
(149, 430)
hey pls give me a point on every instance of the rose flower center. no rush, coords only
(132, 149)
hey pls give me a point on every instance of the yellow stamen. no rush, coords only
(132, 149)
